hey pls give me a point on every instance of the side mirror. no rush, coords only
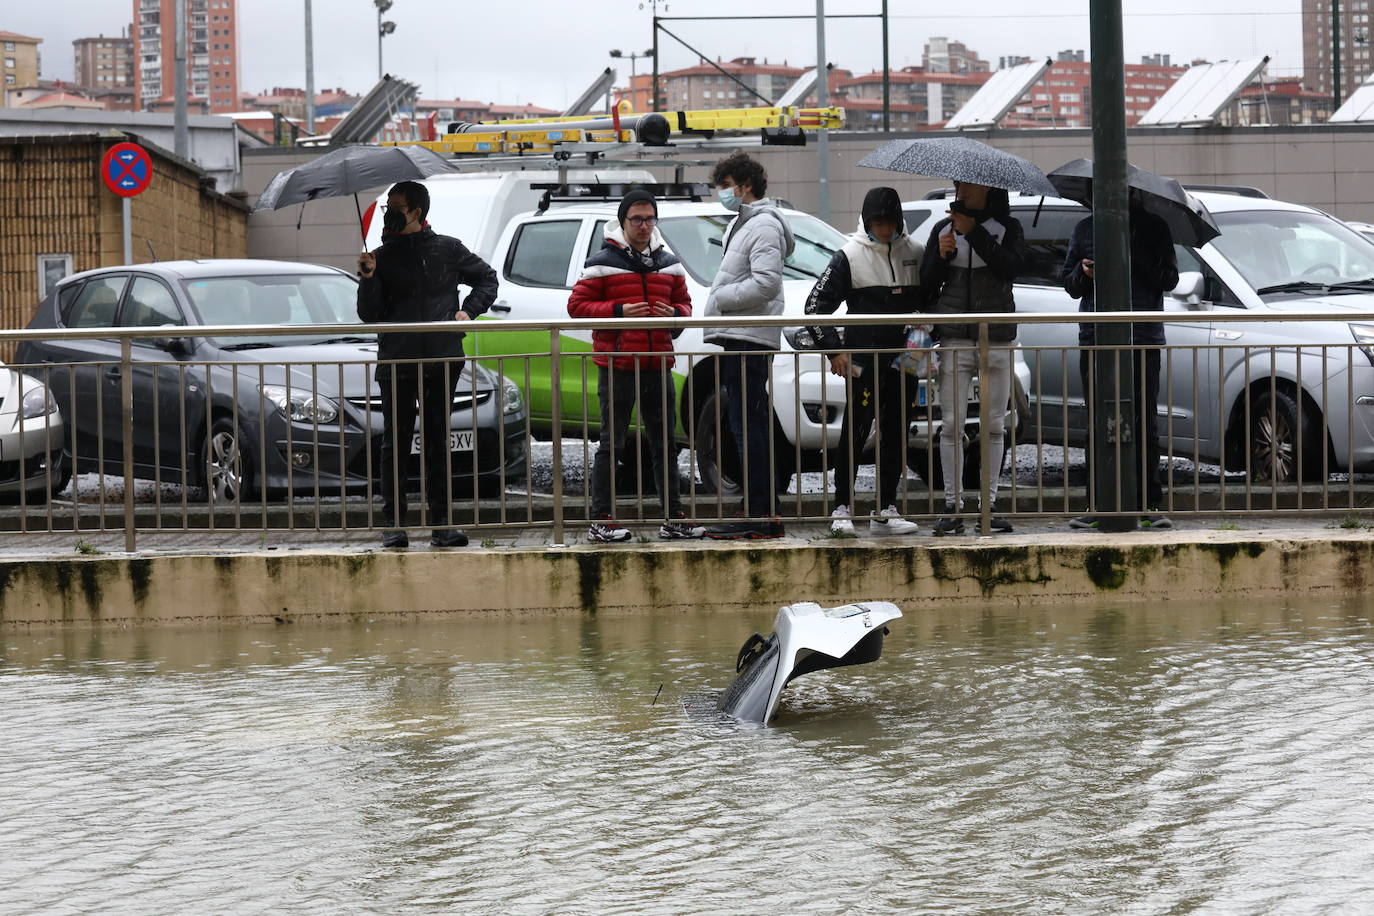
(1189, 288)
(177, 346)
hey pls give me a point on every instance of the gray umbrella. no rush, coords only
(960, 159)
(350, 170)
(1188, 219)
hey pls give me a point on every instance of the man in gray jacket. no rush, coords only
(749, 282)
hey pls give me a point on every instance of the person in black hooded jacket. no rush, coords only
(971, 260)
(413, 277)
(877, 272)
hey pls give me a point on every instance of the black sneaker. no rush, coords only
(448, 537)
(746, 530)
(607, 531)
(1156, 522)
(1000, 525)
(679, 530)
(948, 525)
(1084, 522)
(395, 538)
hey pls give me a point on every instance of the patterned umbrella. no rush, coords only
(960, 159)
(1189, 221)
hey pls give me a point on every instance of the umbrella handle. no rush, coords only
(361, 231)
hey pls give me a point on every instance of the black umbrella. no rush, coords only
(960, 159)
(350, 170)
(1188, 219)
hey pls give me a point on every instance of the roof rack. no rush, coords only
(1239, 190)
(695, 191)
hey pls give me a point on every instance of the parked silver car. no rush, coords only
(1269, 398)
(32, 465)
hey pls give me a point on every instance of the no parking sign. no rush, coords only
(126, 169)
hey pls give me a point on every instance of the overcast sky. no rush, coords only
(548, 51)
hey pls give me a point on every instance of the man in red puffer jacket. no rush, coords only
(634, 276)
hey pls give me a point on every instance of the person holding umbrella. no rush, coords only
(414, 277)
(1160, 214)
(970, 261)
(1154, 271)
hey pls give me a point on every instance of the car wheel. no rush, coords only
(227, 468)
(722, 476)
(1277, 437)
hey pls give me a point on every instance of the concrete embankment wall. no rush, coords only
(264, 586)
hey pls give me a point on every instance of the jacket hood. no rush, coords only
(882, 203)
(749, 211)
(616, 235)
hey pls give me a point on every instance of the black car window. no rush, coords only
(541, 253)
(65, 297)
(97, 303)
(919, 221)
(1047, 242)
(150, 305)
(1213, 289)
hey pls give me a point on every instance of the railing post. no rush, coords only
(126, 422)
(556, 421)
(984, 440)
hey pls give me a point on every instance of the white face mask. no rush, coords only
(729, 199)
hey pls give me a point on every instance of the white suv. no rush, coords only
(1267, 398)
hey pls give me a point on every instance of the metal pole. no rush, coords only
(822, 99)
(127, 207)
(182, 139)
(653, 106)
(379, 44)
(1336, 53)
(309, 71)
(556, 417)
(1113, 435)
(126, 422)
(887, 77)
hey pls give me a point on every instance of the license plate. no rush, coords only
(459, 440)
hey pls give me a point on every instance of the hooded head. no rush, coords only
(883, 205)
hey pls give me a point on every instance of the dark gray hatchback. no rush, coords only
(234, 414)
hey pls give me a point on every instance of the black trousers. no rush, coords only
(1146, 367)
(744, 372)
(426, 390)
(619, 392)
(868, 397)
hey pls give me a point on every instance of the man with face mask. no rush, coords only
(877, 272)
(414, 277)
(749, 282)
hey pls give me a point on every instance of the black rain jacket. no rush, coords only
(417, 279)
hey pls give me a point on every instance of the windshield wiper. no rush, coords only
(1297, 286)
(334, 340)
(1366, 283)
(248, 345)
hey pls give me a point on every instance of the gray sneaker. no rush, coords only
(947, 526)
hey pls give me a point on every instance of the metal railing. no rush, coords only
(256, 445)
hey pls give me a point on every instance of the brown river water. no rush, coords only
(1167, 759)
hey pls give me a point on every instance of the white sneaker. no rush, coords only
(890, 521)
(843, 524)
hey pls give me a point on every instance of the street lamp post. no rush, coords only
(383, 29)
(620, 55)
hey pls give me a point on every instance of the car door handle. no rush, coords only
(1220, 334)
(113, 372)
(500, 306)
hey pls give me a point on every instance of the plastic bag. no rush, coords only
(919, 356)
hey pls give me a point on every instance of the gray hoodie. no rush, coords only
(749, 281)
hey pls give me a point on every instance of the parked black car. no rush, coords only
(233, 414)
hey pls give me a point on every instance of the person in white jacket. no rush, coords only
(749, 282)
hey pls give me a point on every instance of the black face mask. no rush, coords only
(394, 220)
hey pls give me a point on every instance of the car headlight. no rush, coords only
(300, 405)
(38, 402)
(511, 398)
(1364, 336)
